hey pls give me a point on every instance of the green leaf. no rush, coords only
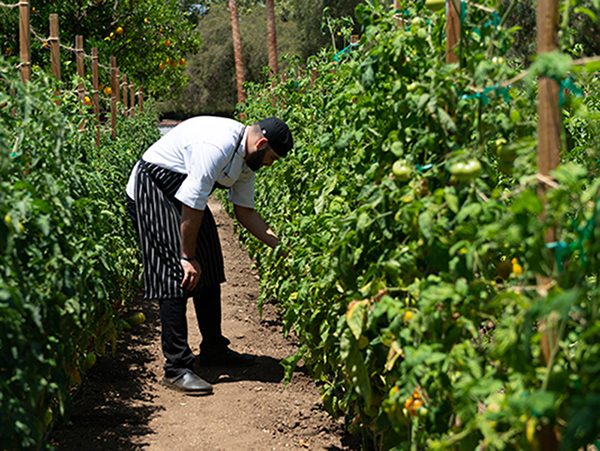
(355, 366)
(527, 202)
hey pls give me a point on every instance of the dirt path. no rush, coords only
(122, 405)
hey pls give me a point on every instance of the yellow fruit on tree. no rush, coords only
(107, 91)
(516, 268)
(87, 101)
(182, 61)
(119, 30)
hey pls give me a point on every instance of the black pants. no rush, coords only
(174, 339)
(174, 328)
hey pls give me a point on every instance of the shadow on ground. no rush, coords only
(113, 407)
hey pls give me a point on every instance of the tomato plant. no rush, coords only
(67, 251)
(404, 287)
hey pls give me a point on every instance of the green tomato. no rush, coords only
(422, 33)
(466, 171)
(506, 152)
(402, 171)
(435, 5)
(505, 167)
(136, 319)
(90, 361)
(412, 87)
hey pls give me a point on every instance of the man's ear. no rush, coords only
(261, 143)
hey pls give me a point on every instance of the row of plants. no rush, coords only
(417, 277)
(68, 261)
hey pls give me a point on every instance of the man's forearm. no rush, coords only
(190, 224)
(256, 225)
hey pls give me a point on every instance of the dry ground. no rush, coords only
(122, 405)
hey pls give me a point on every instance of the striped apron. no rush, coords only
(158, 215)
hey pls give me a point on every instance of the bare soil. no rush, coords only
(123, 406)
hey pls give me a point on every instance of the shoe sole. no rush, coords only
(187, 392)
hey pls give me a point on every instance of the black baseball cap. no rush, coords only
(278, 134)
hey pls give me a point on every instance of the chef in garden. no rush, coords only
(167, 197)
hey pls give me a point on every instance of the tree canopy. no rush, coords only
(150, 39)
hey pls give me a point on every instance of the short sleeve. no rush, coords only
(203, 166)
(242, 191)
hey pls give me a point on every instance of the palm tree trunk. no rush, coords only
(237, 50)
(272, 35)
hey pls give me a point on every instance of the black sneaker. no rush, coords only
(227, 358)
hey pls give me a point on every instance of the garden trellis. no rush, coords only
(119, 89)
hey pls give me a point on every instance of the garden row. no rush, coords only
(68, 260)
(429, 305)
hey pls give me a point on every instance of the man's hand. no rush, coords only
(191, 274)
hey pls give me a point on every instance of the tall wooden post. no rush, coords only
(114, 87)
(124, 96)
(131, 101)
(118, 86)
(96, 95)
(80, 73)
(141, 100)
(54, 46)
(397, 15)
(24, 40)
(237, 50)
(452, 29)
(548, 159)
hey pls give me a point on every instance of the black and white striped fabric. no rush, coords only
(159, 217)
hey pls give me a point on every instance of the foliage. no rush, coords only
(126, 30)
(422, 301)
(68, 258)
(211, 88)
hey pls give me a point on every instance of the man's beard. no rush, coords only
(255, 160)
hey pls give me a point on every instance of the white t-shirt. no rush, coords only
(203, 148)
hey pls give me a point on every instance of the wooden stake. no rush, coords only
(114, 87)
(24, 40)
(118, 87)
(131, 101)
(452, 29)
(54, 46)
(124, 87)
(397, 15)
(80, 73)
(141, 99)
(96, 95)
(548, 159)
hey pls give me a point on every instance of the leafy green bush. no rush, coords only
(418, 278)
(68, 258)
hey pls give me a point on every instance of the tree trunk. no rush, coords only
(272, 36)
(237, 50)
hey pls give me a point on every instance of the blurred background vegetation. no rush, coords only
(181, 51)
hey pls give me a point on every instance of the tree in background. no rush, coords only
(272, 36)
(150, 39)
(237, 50)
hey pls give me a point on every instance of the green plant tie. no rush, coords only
(423, 168)
(568, 84)
(339, 54)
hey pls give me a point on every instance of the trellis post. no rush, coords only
(54, 46)
(114, 88)
(141, 99)
(80, 73)
(96, 95)
(124, 95)
(24, 40)
(548, 159)
(452, 29)
(131, 100)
